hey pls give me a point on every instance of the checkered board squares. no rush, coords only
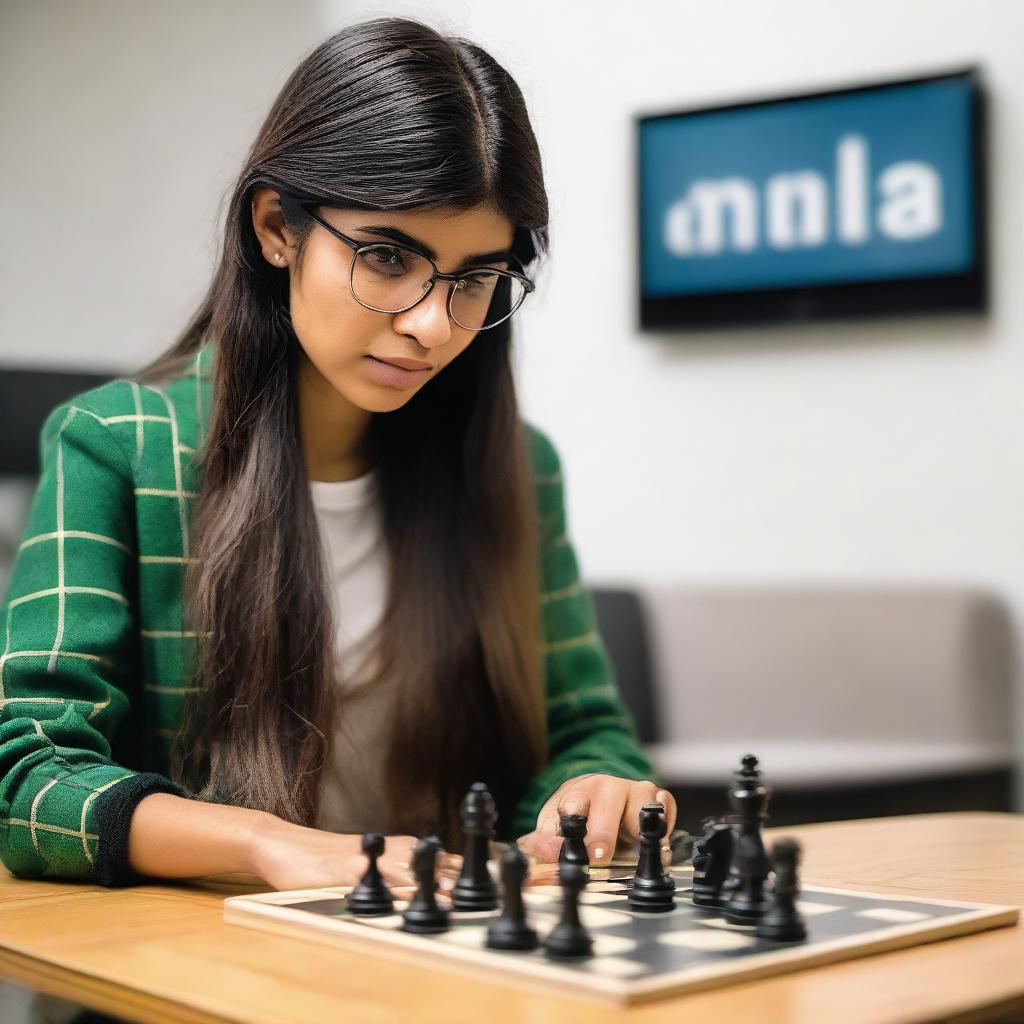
(637, 956)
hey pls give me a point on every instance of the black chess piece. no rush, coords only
(423, 915)
(712, 855)
(653, 889)
(731, 881)
(573, 828)
(371, 897)
(750, 866)
(511, 931)
(782, 921)
(569, 939)
(475, 889)
(680, 846)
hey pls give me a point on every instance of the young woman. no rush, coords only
(307, 574)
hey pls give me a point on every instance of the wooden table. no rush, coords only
(162, 952)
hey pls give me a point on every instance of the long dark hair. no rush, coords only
(387, 114)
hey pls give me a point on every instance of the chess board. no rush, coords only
(637, 956)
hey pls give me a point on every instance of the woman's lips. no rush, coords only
(405, 364)
(394, 376)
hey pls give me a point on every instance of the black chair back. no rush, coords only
(27, 397)
(623, 627)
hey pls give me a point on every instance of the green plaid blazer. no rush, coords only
(96, 664)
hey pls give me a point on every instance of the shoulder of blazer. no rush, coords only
(155, 425)
(547, 466)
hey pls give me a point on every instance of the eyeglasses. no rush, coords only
(391, 278)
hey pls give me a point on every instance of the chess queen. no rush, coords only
(307, 574)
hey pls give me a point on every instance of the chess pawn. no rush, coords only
(371, 898)
(569, 939)
(423, 915)
(653, 889)
(574, 830)
(749, 868)
(475, 889)
(511, 931)
(782, 921)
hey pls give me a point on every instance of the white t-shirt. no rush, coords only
(351, 798)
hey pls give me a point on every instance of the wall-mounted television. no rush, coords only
(855, 202)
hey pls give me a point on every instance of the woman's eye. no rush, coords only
(479, 282)
(384, 260)
(389, 257)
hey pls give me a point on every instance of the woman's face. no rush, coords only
(345, 341)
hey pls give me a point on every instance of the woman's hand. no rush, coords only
(612, 806)
(288, 856)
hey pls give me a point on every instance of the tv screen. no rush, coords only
(856, 202)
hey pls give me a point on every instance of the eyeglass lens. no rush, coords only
(391, 279)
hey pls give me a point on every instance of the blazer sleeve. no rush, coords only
(589, 727)
(70, 654)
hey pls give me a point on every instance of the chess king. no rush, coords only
(750, 865)
(308, 574)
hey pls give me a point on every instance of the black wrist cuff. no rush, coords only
(113, 812)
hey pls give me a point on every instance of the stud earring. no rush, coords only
(277, 255)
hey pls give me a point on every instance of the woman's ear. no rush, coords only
(276, 241)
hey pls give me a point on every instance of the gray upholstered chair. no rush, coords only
(859, 700)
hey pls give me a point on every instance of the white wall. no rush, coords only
(122, 125)
(883, 450)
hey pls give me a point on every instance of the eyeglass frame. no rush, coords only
(309, 207)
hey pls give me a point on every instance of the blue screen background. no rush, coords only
(928, 122)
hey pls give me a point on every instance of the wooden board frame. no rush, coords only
(266, 913)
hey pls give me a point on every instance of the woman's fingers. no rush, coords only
(575, 798)
(545, 842)
(569, 798)
(612, 807)
(449, 861)
(640, 793)
(528, 842)
(607, 805)
(396, 863)
(665, 798)
(449, 866)
(545, 846)
(394, 871)
(600, 797)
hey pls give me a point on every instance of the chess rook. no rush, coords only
(750, 866)
(511, 931)
(573, 828)
(371, 897)
(653, 890)
(475, 889)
